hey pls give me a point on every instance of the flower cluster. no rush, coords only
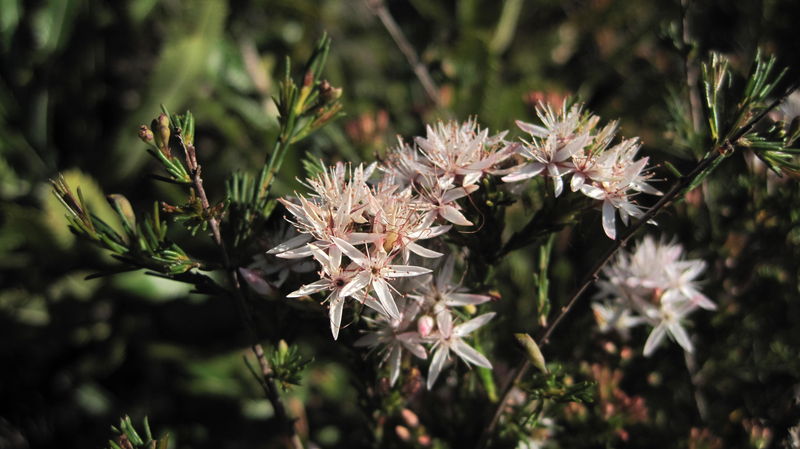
(654, 285)
(569, 142)
(367, 233)
(373, 229)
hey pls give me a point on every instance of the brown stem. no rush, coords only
(271, 390)
(379, 9)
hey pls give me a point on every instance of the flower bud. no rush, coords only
(146, 134)
(123, 208)
(328, 93)
(425, 325)
(160, 128)
(410, 418)
(402, 433)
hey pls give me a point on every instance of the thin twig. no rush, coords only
(683, 182)
(271, 390)
(379, 9)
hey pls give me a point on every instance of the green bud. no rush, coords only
(160, 128)
(534, 353)
(283, 348)
(123, 208)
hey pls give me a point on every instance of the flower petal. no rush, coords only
(609, 225)
(350, 251)
(470, 355)
(337, 305)
(439, 357)
(311, 288)
(679, 333)
(452, 215)
(422, 251)
(356, 284)
(654, 339)
(525, 172)
(385, 297)
(464, 299)
(292, 243)
(462, 330)
(398, 271)
(256, 282)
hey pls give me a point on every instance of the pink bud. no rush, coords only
(425, 325)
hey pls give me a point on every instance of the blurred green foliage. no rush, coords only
(77, 78)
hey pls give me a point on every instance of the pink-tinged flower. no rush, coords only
(425, 325)
(374, 273)
(619, 177)
(333, 279)
(461, 150)
(550, 156)
(442, 203)
(393, 336)
(561, 136)
(334, 208)
(449, 338)
(440, 291)
(655, 285)
(398, 224)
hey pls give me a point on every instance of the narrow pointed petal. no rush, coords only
(608, 220)
(445, 273)
(465, 299)
(320, 255)
(410, 341)
(571, 148)
(525, 172)
(398, 271)
(462, 330)
(593, 192)
(311, 288)
(457, 193)
(452, 215)
(292, 243)
(394, 364)
(439, 357)
(337, 305)
(385, 297)
(680, 335)
(558, 185)
(256, 282)
(470, 355)
(530, 128)
(429, 232)
(702, 300)
(360, 281)
(375, 305)
(422, 251)
(350, 251)
(297, 253)
(654, 339)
